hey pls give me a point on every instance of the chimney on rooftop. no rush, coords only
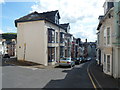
(86, 40)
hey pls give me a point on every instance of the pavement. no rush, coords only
(102, 80)
(14, 62)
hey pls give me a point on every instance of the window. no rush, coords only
(61, 37)
(104, 58)
(61, 52)
(56, 19)
(98, 41)
(57, 37)
(104, 36)
(108, 63)
(51, 54)
(51, 35)
(108, 35)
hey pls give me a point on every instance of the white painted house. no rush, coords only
(40, 37)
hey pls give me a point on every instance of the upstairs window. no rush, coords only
(56, 19)
(51, 35)
(98, 39)
(104, 36)
(108, 36)
(57, 37)
(61, 37)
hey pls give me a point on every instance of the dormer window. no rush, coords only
(56, 19)
(107, 6)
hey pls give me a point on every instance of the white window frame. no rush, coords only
(56, 37)
(104, 62)
(107, 37)
(110, 72)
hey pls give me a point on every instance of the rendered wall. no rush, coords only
(32, 42)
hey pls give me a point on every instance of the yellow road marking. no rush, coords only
(92, 81)
(91, 78)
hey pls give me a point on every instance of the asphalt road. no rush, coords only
(22, 77)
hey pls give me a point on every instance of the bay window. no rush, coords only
(51, 35)
(61, 37)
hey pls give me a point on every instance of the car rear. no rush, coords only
(65, 62)
(77, 61)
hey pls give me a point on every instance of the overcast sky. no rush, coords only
(81, 14)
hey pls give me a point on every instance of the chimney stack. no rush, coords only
(86, 40)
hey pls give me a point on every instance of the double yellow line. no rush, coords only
(94, 85)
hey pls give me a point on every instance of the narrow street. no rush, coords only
(59, 77)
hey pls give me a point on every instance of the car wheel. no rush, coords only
(73, 65)
(70, 66)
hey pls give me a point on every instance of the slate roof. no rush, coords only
(49, 16)
(65, 26)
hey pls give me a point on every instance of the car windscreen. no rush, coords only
(68, 58)
(63, 59)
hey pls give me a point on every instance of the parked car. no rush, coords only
(66, 62)
(77, 61)
(89, 58)
(6, 56)
(82, 59)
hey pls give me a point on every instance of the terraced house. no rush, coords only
(41, 38)
(108, 44)
(8, 44)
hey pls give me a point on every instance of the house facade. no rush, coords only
(40, 37)
(108, 52)
(8, 44)
(68, 44)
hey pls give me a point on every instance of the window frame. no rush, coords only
(110, 63)
(56, 35)
(51, 35)
(62, 37)
(108, 36)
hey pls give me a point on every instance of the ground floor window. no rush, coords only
(104, 58)
(51, 54)
(108, 63)
(61, 52)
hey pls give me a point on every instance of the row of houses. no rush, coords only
(8, 44)
(42, 39)
(108, 41)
